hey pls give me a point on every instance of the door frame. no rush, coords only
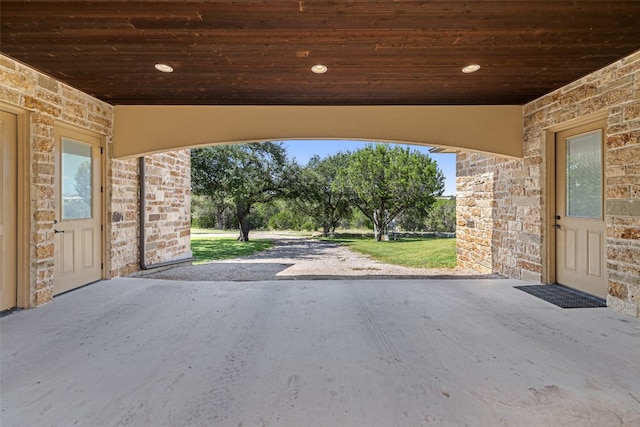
(61, 127)
(549, 190)
(23, 273)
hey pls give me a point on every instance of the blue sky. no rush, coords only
(303, 150)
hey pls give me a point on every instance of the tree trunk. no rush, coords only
(378, 224)
(326, 229)
(244, 230)
(243, 219)
(220, 219)
(378, 233)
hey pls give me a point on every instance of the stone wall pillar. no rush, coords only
(168, 206)
(474, 211)
(122, 212)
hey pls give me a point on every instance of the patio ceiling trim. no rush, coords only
(145, 129)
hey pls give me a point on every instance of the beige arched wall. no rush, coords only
(146, 129)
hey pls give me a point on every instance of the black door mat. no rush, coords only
(562, 296)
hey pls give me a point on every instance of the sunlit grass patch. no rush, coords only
(409, 252)
(207, 249)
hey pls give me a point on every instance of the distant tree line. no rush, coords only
(379, 187)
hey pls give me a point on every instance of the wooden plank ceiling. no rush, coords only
(377, 52)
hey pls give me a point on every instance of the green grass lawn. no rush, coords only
(196, 231)
(214, 248)
(409, 252)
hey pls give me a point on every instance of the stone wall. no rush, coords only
(516, 222)
(48, 102)
(168, 206)
(474, 211)
(122, 211)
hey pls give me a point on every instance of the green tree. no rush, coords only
(286, 215)
(326, 203)
(208, 213)
(244, 173)
(384, 181)
(441, 216)
(412, 219)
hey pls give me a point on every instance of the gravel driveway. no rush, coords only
(295, 258)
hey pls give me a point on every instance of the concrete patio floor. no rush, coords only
(142, 352)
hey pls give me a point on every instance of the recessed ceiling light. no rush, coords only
(319, 69)
(471, 68)
(164, 68)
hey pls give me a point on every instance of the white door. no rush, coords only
(580, 226)
(78, 235)
(8, 210)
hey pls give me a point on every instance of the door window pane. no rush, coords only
(76, 179)
(584, 175)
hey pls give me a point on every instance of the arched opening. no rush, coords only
(144, 130)
(140, 130)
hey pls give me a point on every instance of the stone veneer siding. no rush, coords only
(501, 203)
(48, 102)
(168, 206)
(124, 217)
